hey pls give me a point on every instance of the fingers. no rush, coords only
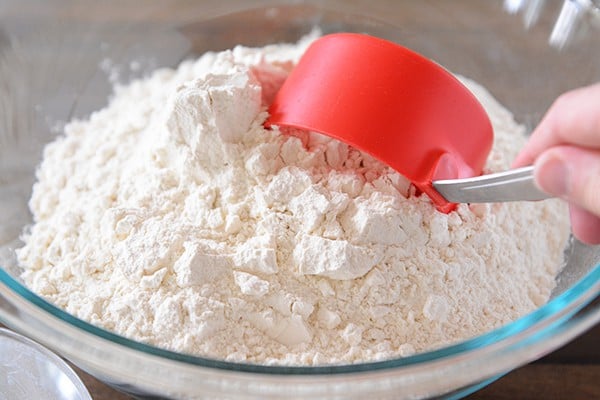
(565, 148)
(574, 118)
(573, 173)
(585, 225)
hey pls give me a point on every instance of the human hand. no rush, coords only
(565, 150)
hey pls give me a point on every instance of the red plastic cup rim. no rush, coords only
(386, 100)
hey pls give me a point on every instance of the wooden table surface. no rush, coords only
(572, 372)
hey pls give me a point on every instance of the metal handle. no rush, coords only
(512, 185)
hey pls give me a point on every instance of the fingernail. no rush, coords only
(552, 175)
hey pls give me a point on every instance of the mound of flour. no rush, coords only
(173, 217)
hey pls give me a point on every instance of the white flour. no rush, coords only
(173, 217)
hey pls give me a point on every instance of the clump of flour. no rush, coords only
(173, 217)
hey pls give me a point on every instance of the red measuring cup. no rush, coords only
(390, 102)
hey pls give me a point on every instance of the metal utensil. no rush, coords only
(512, 185)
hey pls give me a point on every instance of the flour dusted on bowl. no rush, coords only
(174, 218)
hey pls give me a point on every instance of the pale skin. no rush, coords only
(565, 150)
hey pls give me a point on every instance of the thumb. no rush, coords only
(585, 226)
(572, 173)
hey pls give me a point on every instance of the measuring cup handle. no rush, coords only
(512, 185)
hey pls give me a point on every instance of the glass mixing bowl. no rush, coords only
(58, 61)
